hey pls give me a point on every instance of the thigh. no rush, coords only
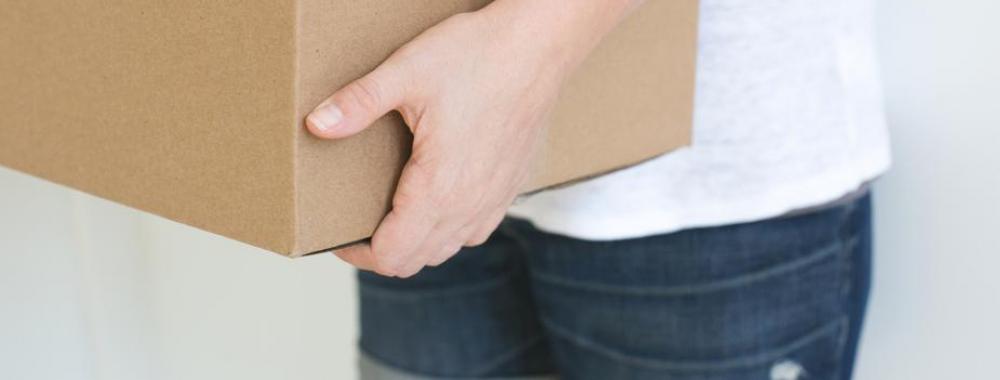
(472, 317)
(773, 299)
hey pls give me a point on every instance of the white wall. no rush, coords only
(92, 290)
(936, 306)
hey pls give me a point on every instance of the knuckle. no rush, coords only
(408, 273)
(387, 266)
(388, 271)
(421, 168)
(484, 232)
(417, 183)
(367, 93)
(410, 270)
(478, 239)
(445, 254)
(437, 261)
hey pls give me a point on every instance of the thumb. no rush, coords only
(356, 106)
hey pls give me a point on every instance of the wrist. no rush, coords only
(562, 32)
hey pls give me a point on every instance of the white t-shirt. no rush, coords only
(788, 115)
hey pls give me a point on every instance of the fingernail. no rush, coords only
(326, 117)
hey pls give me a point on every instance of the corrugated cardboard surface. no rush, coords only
(193, 109)
(184, 108)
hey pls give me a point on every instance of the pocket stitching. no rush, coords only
(697, 288)
(762, 358)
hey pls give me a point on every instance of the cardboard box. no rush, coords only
(193, 109)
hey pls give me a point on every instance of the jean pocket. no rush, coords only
(815, 355)
(790, 312)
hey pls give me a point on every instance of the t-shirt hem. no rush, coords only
(776, 202)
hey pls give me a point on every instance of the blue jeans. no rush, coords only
(777, 299)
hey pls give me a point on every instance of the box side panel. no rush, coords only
(631, 100)
(181, 108)
(345, 187)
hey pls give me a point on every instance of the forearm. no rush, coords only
(568, 30)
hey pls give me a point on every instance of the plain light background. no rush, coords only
(91, 290)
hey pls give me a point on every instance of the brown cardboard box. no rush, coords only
(193, 109)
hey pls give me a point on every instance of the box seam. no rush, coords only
(293, 247)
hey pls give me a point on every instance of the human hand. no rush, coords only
(475, 91)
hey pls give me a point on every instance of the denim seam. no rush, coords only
(371, 355)
(728, 364)
(708, 287)
(511, 354)
(848, 274)
(382, 365)
(479, 373)
(374, 290)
